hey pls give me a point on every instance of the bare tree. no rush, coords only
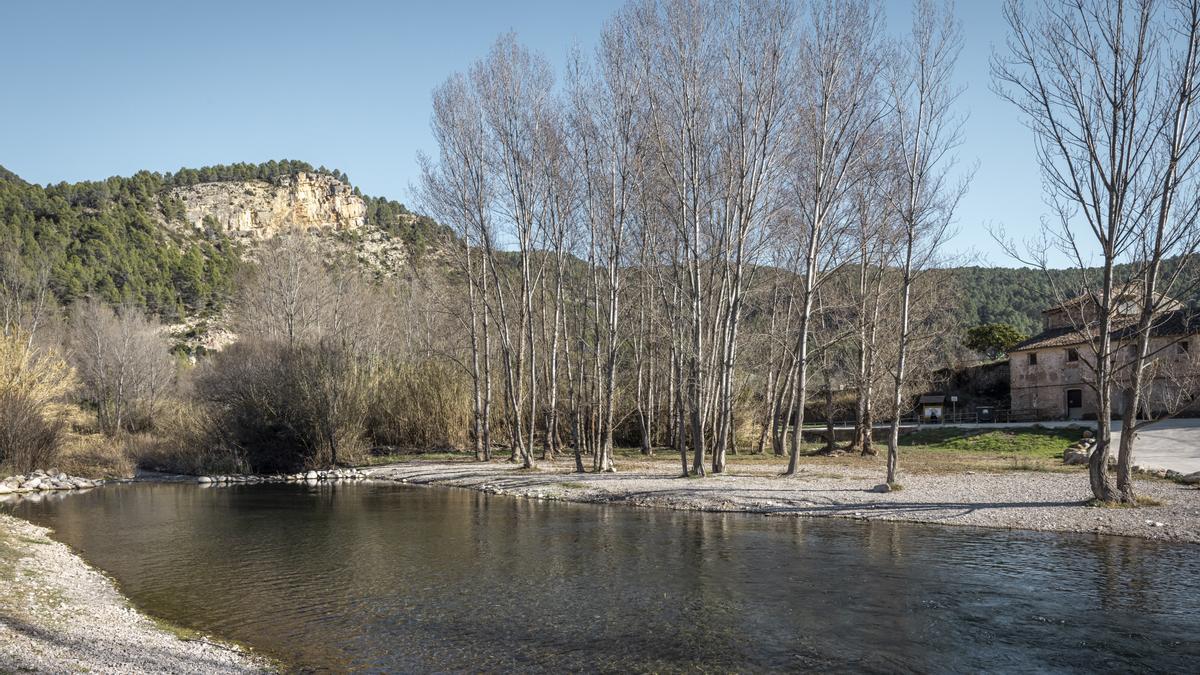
(457, 189)
(25, 298)
(514, 87)
(606, 122)
(1108, 88)
(123, 361)
(837, 132)
(1170, 231)
(925, 132)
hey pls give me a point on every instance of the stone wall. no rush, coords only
(1042, 388)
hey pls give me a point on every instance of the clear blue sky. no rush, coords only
(94, 89)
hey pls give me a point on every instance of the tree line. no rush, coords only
(736, 179)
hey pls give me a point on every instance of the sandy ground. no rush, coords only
(1011, 499)
(58, 615)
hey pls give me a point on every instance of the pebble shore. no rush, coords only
(61, 615)
(1044, 501)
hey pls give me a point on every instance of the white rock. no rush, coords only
(311, 475)
(204, 479)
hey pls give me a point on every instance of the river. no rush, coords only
(385, 577)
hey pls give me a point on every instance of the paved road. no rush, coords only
(1172, 444)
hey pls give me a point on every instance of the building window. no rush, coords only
(1033, 358)
(1072, 355)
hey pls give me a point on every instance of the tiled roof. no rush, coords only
(1177, 323)
(1055, 337)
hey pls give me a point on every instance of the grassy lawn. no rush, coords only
(930, 450)
(1030, 442)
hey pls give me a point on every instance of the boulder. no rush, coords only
(882, 487)
(5, 489)
(32, 483)
(311, 475)
(1074, 456)
(1190, 479)
(204, 479)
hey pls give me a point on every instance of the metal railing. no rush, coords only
(994, 416)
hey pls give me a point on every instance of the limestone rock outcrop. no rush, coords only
(258, 210)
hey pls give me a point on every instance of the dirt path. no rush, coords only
(58, 614)
(1014, 500)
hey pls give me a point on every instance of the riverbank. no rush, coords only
(1053, 501)
(61, 615)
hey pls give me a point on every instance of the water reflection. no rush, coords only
(387, 577)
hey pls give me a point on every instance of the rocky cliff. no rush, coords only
(258, 209)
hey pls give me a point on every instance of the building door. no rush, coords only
(1074, 404)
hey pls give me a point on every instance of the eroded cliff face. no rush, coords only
(259, 210)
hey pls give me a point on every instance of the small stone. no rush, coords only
(882, 487)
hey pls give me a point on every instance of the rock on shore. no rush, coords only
(60, 615)
(45, 481)
(332, 474)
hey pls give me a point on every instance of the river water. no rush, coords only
(384, 577)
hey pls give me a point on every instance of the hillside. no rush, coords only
(1017, 296)
(172, 242)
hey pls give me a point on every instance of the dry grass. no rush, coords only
(95, 456)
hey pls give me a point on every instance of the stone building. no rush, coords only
(1050, 372)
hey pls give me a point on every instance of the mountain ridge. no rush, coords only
(171, 242)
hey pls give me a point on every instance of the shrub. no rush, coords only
(31, 381)
(287, 407)
(423, 405)
(29, 439)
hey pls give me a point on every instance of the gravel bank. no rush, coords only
(1011, 500)
(60, 615)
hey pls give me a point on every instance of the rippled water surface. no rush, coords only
(383, 577)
